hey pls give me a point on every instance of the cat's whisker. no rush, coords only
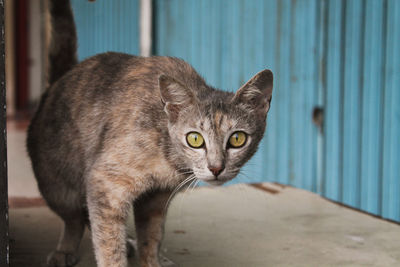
(248, 172)
(184, 194)
(183, 169)
(177, 174)
(190, 178)
(184, 173)
(243, 174)
(191, 183)
(195, 185)
(183, 197)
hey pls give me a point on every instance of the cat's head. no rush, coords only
(215, 133)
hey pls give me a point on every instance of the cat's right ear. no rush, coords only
(256, 94)
(174, 96)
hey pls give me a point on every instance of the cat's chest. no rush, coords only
(160, 171)
(148, 163)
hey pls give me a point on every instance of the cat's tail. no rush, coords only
(63, 40)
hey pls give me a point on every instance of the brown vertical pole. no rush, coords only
(22, 57)
(4, 255)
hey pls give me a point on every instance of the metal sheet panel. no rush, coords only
(362, 81)
(333, 100)
(391, 116)
(352, 89)
(281, 104)
(107, 25)
(371, 118)
(303, 98)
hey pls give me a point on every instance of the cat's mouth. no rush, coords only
(213, 180)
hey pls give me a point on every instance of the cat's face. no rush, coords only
(216, 136)
(216, 141)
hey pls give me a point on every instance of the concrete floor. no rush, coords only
(21, 182)
(239, 225)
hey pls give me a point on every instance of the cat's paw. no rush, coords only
(62, 259)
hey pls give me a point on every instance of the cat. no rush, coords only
(118, 131)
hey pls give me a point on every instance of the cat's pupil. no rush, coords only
(195, 137)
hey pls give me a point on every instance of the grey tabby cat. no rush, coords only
(118, 131)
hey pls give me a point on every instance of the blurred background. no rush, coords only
(334, 124)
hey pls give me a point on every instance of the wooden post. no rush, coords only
(4, 253)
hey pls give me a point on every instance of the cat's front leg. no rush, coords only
(109, 201)
(150, 211)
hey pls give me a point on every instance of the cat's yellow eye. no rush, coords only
(195, 140)
(237, 139)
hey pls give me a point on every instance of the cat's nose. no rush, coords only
(216, 170)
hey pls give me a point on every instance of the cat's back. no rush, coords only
(114, 87)
(120, 77)
(104, 97)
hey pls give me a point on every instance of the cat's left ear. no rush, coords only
(257, 92)
(175, 96)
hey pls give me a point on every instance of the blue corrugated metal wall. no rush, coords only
(106, 25)
(362, 129)
(341, 55)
